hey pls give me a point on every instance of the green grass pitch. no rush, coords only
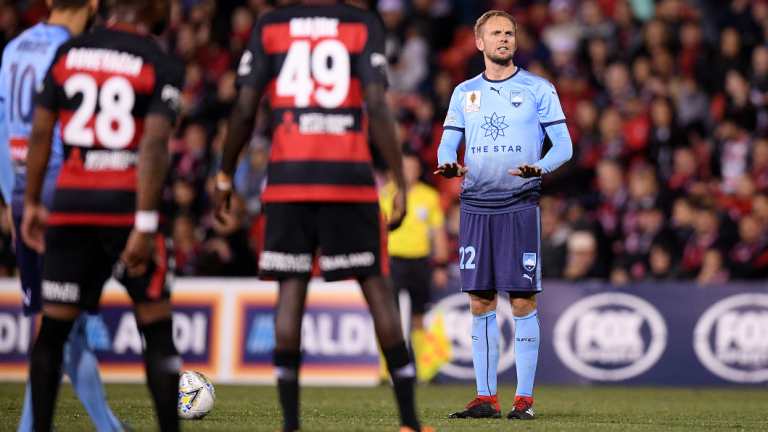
(254, 408)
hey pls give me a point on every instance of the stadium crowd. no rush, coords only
(667, 105)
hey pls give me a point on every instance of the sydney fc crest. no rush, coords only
(529, 261)
(516, 98)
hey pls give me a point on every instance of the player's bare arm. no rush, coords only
(383, 133)
(153, 167)
(240, 129)
(33, 224)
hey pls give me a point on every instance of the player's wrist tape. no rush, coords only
(146, 221)
(223, 182)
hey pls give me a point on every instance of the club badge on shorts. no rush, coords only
(529, 261)
(472, 101)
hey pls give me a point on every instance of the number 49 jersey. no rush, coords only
(313, 63)
(103, 85)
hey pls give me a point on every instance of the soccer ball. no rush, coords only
(196, 395)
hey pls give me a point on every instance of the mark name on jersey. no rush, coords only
(472, 101)
(106, 60)
(100, 160)
(334, 124)
(314, 27)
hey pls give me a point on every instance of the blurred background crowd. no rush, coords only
(666, 101)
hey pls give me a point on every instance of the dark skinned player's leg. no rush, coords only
(287, 357)
(378, 293)
(45, 361)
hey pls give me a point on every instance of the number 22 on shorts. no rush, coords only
(467, 253)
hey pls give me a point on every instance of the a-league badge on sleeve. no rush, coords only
(472, 101)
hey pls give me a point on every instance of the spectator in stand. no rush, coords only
(554, 238)
(759, 164)
(748, 258)
(186, 245)
(226, 251)
(705, 237)
(713, 270)
(580, 262)
(662, 262)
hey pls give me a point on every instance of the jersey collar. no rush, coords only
(517, 70)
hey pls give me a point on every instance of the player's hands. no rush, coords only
(33, 226)
(450, 170)
(222, 195)
(137, 252)
(526, 171)
(398, 208)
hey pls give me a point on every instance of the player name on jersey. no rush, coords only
(315, 27)
(104, 60)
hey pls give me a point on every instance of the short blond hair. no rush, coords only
(490, 14)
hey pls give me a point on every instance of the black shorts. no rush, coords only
(347, 237)
(79, 260)
(415, 277)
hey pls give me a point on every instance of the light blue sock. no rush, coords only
(485, 352)
(526, 352)
(82, 367)
(25, 424)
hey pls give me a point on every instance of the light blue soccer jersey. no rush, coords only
(25, 62)
(504, 124)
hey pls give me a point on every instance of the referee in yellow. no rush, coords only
(418, 249)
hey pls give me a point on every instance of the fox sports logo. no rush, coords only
(731, 338)
(610, 336)
(458, 329)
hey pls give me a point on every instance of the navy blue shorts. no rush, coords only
(500, 251)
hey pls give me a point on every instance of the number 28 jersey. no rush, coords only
(313, 63)
(102, 85)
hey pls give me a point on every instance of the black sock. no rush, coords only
(287, 366)
(162, 363)
(403, 375)
(45, 370)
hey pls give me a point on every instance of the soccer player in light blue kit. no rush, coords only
(502, 115)
(25, 62)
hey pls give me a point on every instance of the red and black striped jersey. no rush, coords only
(313, 63)
(103, 85)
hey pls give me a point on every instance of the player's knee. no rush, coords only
(482, 302)
(148, 313)
(522, 306)
(63, 312)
